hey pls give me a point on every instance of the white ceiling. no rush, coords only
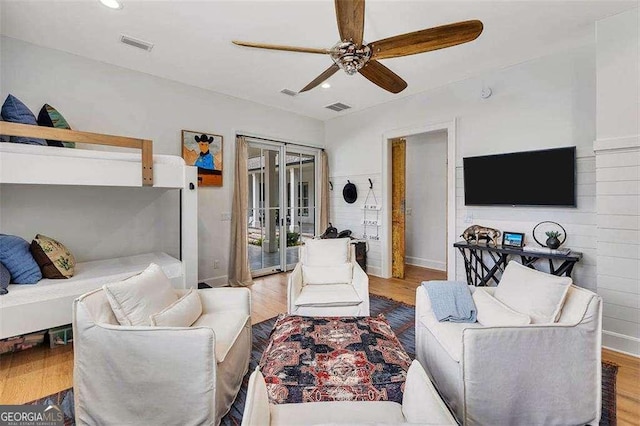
(193, 41)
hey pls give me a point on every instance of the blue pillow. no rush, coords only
(5, 279)
(16, 112)
(16, 257)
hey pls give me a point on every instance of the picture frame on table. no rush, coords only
(512, 239)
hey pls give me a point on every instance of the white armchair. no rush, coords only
(140, 375)
(534, 374)
(420, 405)
(327, 281)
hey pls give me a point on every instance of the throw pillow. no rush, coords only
(5, 279)
(54, 259)
(181, 313)
(537, 294)
(337, 274)
(327, 252)
(15, 111)
(15, 256)
(3, 138)
(135, 299)
(50, 117)
(493, 313)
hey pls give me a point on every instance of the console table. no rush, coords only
(481, 274)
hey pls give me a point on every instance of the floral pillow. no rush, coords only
(54, 259)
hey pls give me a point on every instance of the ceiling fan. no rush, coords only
(352, 55)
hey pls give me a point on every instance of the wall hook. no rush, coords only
(370, 184)
(330, 186)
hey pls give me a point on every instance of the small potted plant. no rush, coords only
(553, 241)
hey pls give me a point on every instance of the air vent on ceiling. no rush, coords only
(288, 92)
(338, 106)
(140, 44)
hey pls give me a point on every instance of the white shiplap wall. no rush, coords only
(350, 216)
(579, 222)
(618, 233)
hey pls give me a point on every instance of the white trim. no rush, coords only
(614, 144)
(634, 341)
(426, 263)
(450, 127)
(375, 271)
(221, 281)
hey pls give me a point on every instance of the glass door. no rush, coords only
(282, 204)
(264, 209)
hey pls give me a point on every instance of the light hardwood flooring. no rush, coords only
(34, 373)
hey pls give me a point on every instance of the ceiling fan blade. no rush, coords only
(322, 77)
(378, 74)
(426, 40)
(280, 47)
(350, 16)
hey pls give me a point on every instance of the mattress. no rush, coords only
(89, 276)
(53, 151)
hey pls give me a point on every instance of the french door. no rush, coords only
(282, 203)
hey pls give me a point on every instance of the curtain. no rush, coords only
(239, 270)
(324, 191)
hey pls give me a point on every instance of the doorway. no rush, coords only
(282, 204)
(407, 200)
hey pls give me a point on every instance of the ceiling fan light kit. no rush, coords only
(353, 55)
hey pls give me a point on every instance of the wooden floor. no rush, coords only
(34, 373)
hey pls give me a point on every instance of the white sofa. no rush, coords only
(535, 374)
(319, 286)
(420, 405)
(139, 375)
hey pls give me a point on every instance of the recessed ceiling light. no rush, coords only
(325, 85)
(112, 4)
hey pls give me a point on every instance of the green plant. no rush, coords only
(257, 241)
(553, 234)
(293, 239)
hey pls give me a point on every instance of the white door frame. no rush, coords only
(450, 127)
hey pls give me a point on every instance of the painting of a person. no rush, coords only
(205, 159)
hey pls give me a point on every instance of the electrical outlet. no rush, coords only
(216, 264)
(225, 217)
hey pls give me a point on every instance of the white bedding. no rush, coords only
(89, 276)
(86, 153)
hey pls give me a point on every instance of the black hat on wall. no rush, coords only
(350, 193)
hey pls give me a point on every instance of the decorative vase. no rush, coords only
(553, 242)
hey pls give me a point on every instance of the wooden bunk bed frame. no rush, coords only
(51, 133)
(20, 317)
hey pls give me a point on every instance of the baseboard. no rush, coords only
(375, 271)
(621, 343)
(221, 281)
(426, 263)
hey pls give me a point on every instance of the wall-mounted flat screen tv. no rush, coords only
(530, 178)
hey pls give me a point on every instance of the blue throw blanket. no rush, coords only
(451, 301)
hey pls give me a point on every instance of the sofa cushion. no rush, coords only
(50, 117)
(227, 326)
(14, 111)
(328, 295)
(53, 258)
(421, 402)
(537, 294)
(494, 313)
(339, 412)
(135, 299)
(16, 257)
(181, 313)
(327, 252)
(336, 274)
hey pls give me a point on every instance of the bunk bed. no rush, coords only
(47, 304)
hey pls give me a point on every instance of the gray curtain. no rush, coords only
(239, 270)
(324, 191)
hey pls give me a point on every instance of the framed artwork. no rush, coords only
(512, 239)
(204, 150)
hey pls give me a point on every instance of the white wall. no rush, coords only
(544, 103)
(102, 98)
(618, 178)
(426, 200)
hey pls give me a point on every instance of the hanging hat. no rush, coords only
(350, 193)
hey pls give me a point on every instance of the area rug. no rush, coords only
(399, 315)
